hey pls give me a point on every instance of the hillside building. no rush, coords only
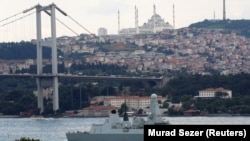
(211, 93)
(155, 24)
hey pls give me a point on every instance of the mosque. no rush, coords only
(155, 24)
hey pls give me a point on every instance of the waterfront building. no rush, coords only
(211, 92)
(133, 102)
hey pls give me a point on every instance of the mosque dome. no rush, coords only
(156, 16)
(155, 24)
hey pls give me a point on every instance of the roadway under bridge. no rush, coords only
(85, 77)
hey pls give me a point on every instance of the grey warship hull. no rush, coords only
(105, 137)
(113, 129)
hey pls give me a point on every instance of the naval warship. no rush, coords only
(116, 129)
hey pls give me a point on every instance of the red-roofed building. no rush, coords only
(192, 112)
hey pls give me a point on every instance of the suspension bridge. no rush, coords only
(42, 78)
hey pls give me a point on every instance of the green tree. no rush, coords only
(221, 94)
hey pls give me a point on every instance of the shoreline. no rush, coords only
(207, 115)
(9, 116)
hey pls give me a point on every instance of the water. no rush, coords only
(54, 129)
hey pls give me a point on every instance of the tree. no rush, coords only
(165, 104)
(221, 94)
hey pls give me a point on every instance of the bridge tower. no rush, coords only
(54, 59)
(51, 11)
(39, 58)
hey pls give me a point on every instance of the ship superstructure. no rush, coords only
(116, 129)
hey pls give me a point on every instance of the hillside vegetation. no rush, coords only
(242, 27)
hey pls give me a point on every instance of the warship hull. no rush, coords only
(104, 137)
(113, 129)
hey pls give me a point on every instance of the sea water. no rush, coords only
(54, 129)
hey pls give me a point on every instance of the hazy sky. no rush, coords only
(93, 14)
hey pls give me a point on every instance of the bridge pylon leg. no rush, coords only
(40, 95)
(39, 59)
(54, 59)
(55, 94)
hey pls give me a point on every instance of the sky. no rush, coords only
(94, 14)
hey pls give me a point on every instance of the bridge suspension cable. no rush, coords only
(65, 14)
(63, 22)
(27, 10)
(20, 18)
(80, 25)
(11, 17)
(67, 27)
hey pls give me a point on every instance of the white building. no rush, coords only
(134, 102)
(211, 92)
(102, 32)
(155, 24)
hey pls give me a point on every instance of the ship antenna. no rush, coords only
(125, 116)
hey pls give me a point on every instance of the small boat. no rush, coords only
(116, 129)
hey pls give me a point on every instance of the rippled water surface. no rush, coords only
(54, 129)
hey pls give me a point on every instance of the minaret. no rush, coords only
(136, 20)
(173, 17)
(118, 22)
(224, 9)
(154, 12)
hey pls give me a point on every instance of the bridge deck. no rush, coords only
(83, 77)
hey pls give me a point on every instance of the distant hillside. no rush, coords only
(21, 50)
(240, 26)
